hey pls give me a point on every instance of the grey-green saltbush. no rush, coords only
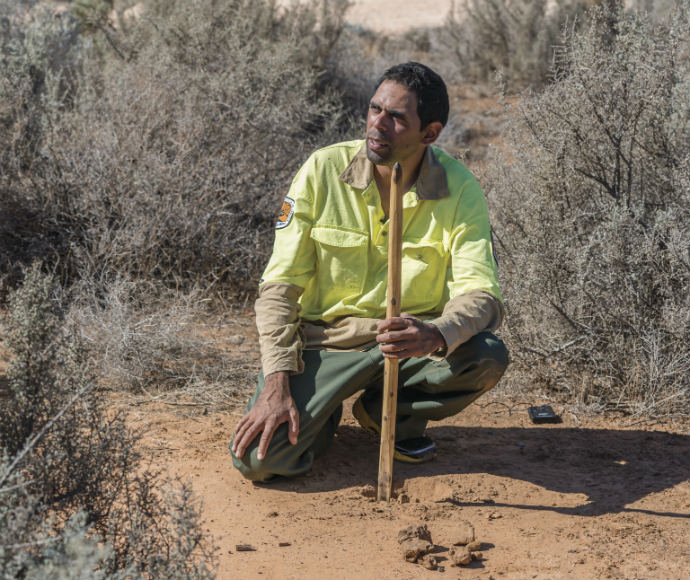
(161, 151)
(515, 38)
(591, 208)
(76, 499)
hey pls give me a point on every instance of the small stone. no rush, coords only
(245, 548)
(273, 515)
(463, 533)
(284, 544)
(429, 562)
(235, 339)
(494, 516)
(403, 498)
(460, 555)
(477, 555)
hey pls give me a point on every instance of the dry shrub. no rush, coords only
(161, 151)
(519, 39)
(163, 344)
(592, 214)
(144, 160)
(75, 496)
(513, 37)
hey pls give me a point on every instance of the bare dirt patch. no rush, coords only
(396, 16)
(586, 498)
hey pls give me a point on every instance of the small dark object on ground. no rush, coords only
(543, 414)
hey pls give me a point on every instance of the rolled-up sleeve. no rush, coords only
(291, 266)
(465, 316)
(277, 319)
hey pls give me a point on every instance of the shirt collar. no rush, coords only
(432, 182)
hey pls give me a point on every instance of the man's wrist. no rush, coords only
(277, 380)
(442, 347)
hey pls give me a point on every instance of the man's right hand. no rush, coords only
(274, 406)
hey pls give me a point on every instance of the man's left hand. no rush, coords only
(406, 336)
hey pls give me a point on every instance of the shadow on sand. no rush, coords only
(612, 468)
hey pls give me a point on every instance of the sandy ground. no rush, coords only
(587, 498)
(394, 16)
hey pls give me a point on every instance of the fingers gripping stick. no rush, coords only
(390, 369)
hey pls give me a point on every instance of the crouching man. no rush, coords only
(322, 298)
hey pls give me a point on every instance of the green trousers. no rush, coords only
(428, 390)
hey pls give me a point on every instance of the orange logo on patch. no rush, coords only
(286, 212)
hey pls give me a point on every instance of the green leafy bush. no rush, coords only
(592, 211)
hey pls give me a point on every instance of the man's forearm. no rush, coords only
(277, 319)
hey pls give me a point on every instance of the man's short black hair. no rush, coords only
(432, 95)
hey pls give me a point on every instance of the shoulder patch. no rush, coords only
(286, 212)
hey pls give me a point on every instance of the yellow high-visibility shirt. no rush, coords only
(332, 237)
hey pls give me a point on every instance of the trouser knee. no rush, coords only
(284, 458)
(280, 459)
(251, 467)
(478, 364)
(475, 366)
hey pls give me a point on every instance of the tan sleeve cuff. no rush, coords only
(465, 316)
(277, 319)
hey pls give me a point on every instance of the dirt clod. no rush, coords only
(474, 546)
(415, 542)
(429, 562)
(403, 498)
(421, 532)
(414, 548)
(368, 491)
(463, 534)
(460, 555)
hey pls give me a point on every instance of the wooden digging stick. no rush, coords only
(390, 369)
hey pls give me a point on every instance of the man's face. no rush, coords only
(394, 131)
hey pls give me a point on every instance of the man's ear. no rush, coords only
(431, 132)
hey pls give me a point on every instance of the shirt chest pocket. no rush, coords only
(342, 261)
(423, 273)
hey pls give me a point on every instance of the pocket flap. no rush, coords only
(340, 238)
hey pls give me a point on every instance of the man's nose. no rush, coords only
(380, 121)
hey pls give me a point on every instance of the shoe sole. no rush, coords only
(369, 425)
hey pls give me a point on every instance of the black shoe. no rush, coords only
(415, 450)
